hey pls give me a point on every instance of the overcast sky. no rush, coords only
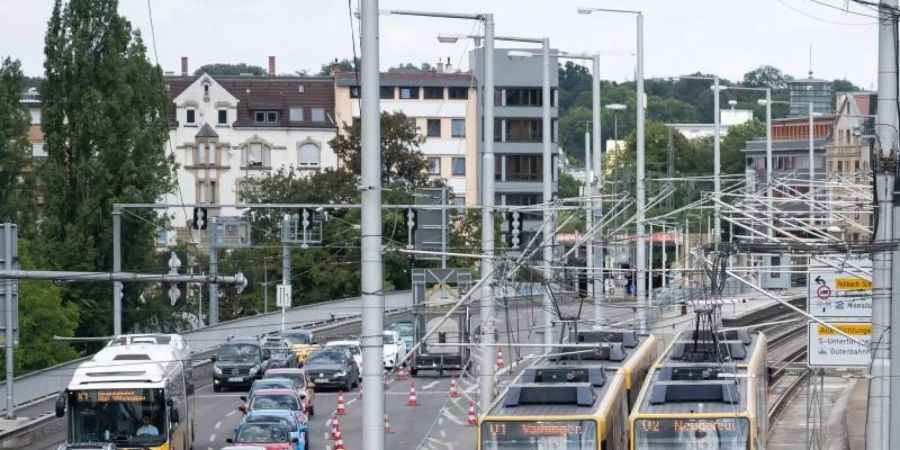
(727, 37)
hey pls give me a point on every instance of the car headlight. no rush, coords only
(217, 370)
(341, 373)
(253, 370)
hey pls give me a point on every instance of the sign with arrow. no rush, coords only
(839, 294)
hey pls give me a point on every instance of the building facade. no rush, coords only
(804, 91)
(225, 130)
(518, 128)
(790, 148)
(32, 100)
(442, 107)
(727, 118)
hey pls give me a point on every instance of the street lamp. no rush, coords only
(615, 108)
(641, 243)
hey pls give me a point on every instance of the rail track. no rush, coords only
(787, 349)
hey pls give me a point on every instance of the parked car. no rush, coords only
(394, 349)
(284, 399)
(238, 363)
(271, 435)
(303, 386)
(301, 343)
(270, 383)
(406, 331)
(352, 346)
(298, 429)
(332, 368)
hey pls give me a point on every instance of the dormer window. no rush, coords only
(266, 117)
(190, 116)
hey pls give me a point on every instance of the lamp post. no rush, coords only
(641, 242)
(615, 108)
(486, 309)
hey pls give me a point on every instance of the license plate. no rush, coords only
(321, 380)
(235, 379)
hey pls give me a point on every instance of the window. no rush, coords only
(523, 97)
(775, 261)
(524, 167)
(354, 92)
(201, 192)
(206, 89)
(409, 93)
(458, 93)
(554, 93)
(212, 192)
(840, 166)
(434, 166)
(387, 92)
(191, 116)
(434, 93)
(255, 155)
(308, 155)
(523, 130)
(434, 127)
(459, 166)
(856, 165)
(38, 150)
(458, 128)
(271, 117)
(295, 114)
(318, 114)
(266, 117)
(223, 117)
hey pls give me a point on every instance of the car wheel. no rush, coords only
(217, 388)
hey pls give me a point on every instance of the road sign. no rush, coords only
(283, 296)
(828, 348)
(834, 294)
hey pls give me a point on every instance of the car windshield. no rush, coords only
(275, 402)
(326, 358)
(262, 432)
(272, 383)
(243, 353)
(294, 339)
(354, 350)
(388, 338)
(284, 419)
(404, 328)
(297, 378)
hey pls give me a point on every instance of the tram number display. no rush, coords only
(678, 426)
(533, 429)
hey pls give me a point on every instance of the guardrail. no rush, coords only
(41, 384)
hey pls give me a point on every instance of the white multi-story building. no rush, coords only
(225, 130)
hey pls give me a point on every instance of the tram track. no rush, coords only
(787, 348)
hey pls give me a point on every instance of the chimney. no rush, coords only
(184, 66)
(272, 66)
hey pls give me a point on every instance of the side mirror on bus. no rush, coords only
(213, 358)
(174, 416)
(61, 404)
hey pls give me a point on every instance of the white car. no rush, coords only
(352, 346)
(394, 349)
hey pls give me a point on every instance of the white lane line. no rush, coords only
(218, 424)
(212, 437)
(351, 401)
(431, 385)
(443, 434)
(230, 413)
(328, 423)
(441, 421)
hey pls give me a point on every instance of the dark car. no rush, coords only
(238, 363)
(281, 355)
(332, 368)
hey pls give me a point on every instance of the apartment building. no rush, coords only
(810, 90)
(441, 105)
(225, 130)
(848, 157)
(518, 128)
(31, 99)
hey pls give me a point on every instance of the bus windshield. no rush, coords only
(511, 435)
(719, 433)
(128, 417)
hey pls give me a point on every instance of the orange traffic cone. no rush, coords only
(500, 363)
(341, 406)
(473, 419)
(454, 392)
(339, 441)
(413, 401)
(401, 374)
(335, 426)
(387, 424)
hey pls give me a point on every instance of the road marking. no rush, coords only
(212, 437)
(443, 434)
(431, 385)
(231, 413)
(218, 424)
(350, 402)
(217, 396)
(440, 421)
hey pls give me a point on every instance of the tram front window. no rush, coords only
(128, 417)
(550, 435)
(692, 434)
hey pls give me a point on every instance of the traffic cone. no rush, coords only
(500, 363)
(454, 392)
(341, 407)
(387, 424)
(360, 391)
(335, 426)
(339, 441)
(401, 374)
(473, 419)
(413, 401)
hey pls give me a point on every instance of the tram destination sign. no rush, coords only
(828, 348)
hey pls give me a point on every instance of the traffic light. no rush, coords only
(514, 218)
(175, 263)
(200, 218)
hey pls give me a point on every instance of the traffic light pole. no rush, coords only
(213, 271)
(117, 267)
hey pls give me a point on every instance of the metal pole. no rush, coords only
(549, 227)
(285, 264)
(589, 218)
(650, 262)
(769, 141)
(663, 254)
(444, 228)
(812, 165)
(883, 382)
(598, 263)
(10, 335)
(266, 284)
(640, 254)
(486, 309)
(213, 272)
(117, 267)
(717, 160)
(372, 339)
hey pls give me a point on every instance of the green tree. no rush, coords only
(734, 142)
(767, 76)
(228, 69)
(571, 131)
(344, 65)
(105, 128)
(401, 156)
(569, 187)
(16, 185)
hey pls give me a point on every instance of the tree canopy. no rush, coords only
(16, 183)
(229, 69)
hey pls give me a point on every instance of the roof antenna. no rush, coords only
(810, 61)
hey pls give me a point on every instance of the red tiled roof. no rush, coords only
(426, 77)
